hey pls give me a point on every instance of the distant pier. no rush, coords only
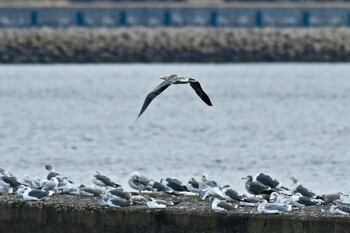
(188, 44)
(63, 213)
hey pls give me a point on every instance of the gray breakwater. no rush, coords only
(64, 213)
(83, 45)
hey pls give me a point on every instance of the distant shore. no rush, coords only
(125, 45)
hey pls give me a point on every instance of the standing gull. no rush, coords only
(269, 181)
(330, 198)
(51, 172)
(9, 183)
(209, 188)
(103, 181)
(138, 182)
(175, 79)
(255, 187)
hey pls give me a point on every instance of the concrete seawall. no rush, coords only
(62, 213)
(82, 45)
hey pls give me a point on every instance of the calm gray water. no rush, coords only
(281, 119)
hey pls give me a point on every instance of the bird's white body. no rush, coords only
(273, 208)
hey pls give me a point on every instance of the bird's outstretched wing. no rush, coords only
(153, 94)
(197, 87)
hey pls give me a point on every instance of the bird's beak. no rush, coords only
(244, 178)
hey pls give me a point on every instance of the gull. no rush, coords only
(69, 189)
(4, 172)
(35, 195)
(280, 199)
(9, 183)
(119, 202)
(273, 208)
(250, 201)
(51, 171)
(209, 188)
(138, 182)
(90, 192)
(218, 205)
(300, 201)
(158, 204)
(337, 208)
(336, 197)
(269, 181)
(103, 181)
(193, 185)
(175, 79)
(34, 183)
(118, 193)
(298, 188)
(231, 194)
(174, 184)
(255, 187)
(50, 184)
(158, 187)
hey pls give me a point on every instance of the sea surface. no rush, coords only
(280, 119)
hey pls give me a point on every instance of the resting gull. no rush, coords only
(218, 205)
(118, 193)
(35, 194)
(193, 185)
(91, 192)
(231, 194)
(301, 201)
(298, 188)
(155, 203)
(50, 184)
(175, 79)
(158, 187)
(250, 201)
(119, 202)
(337, 208)
(174, 184)
(273, 208)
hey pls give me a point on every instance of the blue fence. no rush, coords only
(176, 17)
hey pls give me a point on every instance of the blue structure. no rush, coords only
(175, 17)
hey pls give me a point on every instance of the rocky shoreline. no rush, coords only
(124, 45)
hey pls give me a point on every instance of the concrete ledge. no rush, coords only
(66, 214)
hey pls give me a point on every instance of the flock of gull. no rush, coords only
(267, 194)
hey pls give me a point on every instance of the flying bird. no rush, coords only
(175, 79)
